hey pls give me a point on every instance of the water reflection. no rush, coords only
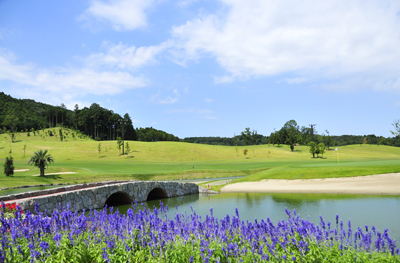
(381, 211)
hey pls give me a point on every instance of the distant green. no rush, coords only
(179, 160)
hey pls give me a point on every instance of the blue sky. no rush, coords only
(210, 68)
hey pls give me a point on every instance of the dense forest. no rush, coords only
(238, 140)
(20, 115)
(292, 134)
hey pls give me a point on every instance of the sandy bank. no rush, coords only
(382, 184)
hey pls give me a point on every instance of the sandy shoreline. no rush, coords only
(380, 184)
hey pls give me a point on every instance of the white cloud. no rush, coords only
(223, 79)
(125, 57)
(295, 80)
(166, 100)
(310, 39)
(185, 3)
(208, 100)
(71, 83)
(121, 14)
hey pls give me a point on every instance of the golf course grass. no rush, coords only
(178, 160)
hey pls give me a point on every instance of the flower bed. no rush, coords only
(10, 209)
(145, 235)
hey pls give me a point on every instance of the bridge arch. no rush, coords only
(118, 198)
(156, 193)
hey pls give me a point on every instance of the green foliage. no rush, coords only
(321, 148)
(11, 121)
(246, 135)
(291, 138)
(99, 148)
(9, 166)
(396, 125)
(312, 148)
(60, 133)
(95, 121)
(150, 134)
(245, 151)
(381, 141)
(41, 159)
(287, 134)
(273, 138)
(119, 144)
(24, 149)
(86, 246)
(327, 139)
(127, 148)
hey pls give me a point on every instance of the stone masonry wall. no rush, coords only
(56, 190)
(96, 197)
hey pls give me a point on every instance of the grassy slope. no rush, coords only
(172, 160)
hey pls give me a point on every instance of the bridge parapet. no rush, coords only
(97, 197)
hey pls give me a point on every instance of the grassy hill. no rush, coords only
(177, 160)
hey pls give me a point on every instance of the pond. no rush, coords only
(381, 211)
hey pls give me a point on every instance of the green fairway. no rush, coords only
(178, 160)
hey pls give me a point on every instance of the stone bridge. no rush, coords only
(98, 196)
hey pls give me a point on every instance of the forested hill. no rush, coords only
(238, 140)
(18, 115)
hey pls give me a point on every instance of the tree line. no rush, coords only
(292, 134)
(23, 115)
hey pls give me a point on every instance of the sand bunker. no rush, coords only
(382, 184)
(21, 170)
(55, 173)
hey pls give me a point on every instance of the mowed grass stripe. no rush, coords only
(177, 160)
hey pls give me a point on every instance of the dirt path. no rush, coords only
(381, 184)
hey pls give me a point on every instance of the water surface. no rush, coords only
(381, 211)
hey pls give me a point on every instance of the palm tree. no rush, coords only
(41, 159)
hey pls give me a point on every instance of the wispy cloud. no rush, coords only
(196, 113)
(167, 99)
(71, 82)
(122, 15)
(333, 39)
(185, 3)
(208, 100)
(224, 79)
(124, 57)
(295, 80)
